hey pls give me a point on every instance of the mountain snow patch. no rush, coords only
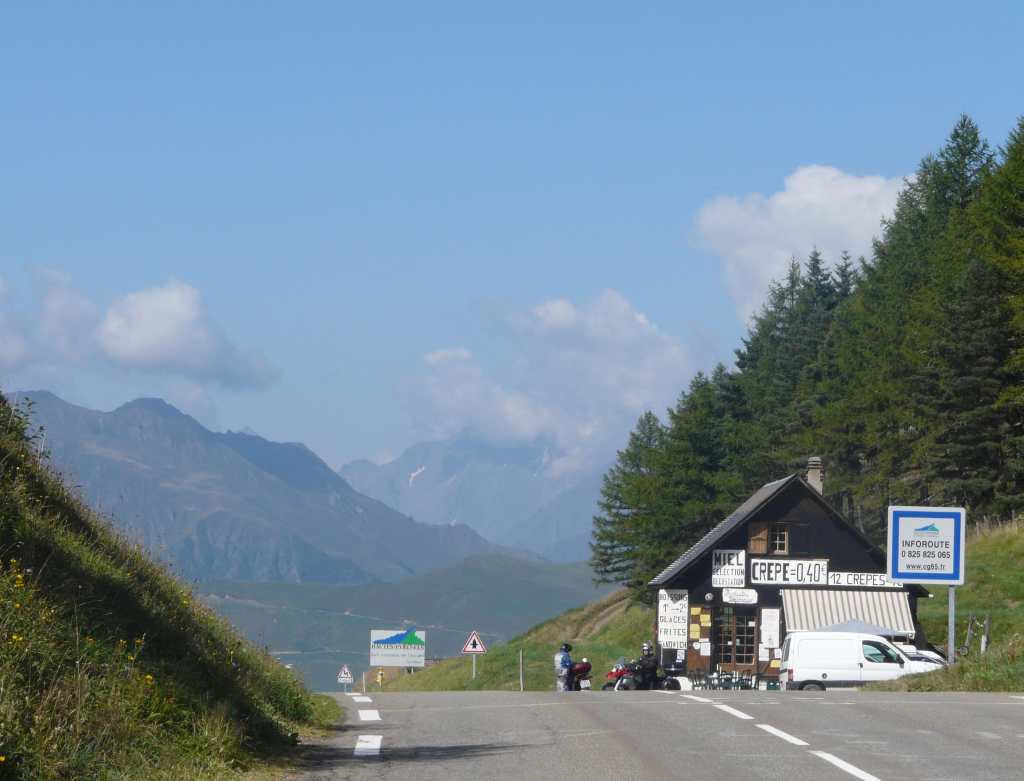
(416, 474)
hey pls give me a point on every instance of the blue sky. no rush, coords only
(359, 227)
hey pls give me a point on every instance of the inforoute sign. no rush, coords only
(926, 545)
(398, 648)
(673, 615)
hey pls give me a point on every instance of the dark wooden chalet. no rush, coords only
(785, 560)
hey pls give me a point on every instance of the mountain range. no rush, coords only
(235, 505)
(505, 492)
(317, 627)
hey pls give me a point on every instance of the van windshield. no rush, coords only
(785, 650)
(879, 653)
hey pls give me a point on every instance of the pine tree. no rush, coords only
(631, 497)
(972, 427)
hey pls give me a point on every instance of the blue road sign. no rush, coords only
(926, 545)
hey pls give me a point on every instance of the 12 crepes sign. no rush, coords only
(398, 648)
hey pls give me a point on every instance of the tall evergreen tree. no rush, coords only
(631, 498)
(972, 429)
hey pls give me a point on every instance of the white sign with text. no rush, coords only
(789, 572)
(673, 615)
(728, 568)
(861, 580)
(926, 545)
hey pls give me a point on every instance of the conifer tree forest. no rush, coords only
(903, 371)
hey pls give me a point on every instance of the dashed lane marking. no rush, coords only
(368, 745)
(780, 734)
(853, 770)
(369, 715)
(362, 699)
(695, 698)
(731, 711)
(988, 735)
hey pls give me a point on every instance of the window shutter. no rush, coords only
(758, 537)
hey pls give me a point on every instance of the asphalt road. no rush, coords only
(790, 736)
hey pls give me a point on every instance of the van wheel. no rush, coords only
(812, 687)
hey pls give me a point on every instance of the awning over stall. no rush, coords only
(821, 608)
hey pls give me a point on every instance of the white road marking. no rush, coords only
(854, 771)
(369, 715)
(368, 745)
(695, 698)
(731, 711)
(362, 699)
(1017, 696)
(989, 735)
(780, 734)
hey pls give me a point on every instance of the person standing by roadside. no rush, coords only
(563, 664)
(647, 667)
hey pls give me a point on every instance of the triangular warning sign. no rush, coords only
(474, 645)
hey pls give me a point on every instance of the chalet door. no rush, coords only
(735, 639)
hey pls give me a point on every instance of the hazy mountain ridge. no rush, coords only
(235, 505)
(505, 492)
(318, 627)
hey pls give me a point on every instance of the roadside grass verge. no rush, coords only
(994, 586)
(109, 668)
(1001, 669)
(601, 631)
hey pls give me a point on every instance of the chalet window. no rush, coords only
(758, 540)
(778, 539)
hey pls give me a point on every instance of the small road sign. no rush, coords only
(345, 675)
(474, 645)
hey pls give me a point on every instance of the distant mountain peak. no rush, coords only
(152, 406)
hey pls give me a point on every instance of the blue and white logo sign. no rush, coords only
(926, 545)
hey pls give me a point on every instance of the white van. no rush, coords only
(820, 660)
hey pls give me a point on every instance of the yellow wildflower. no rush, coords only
(149, 680)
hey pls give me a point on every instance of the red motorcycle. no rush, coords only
(579, 676)
(624, 676)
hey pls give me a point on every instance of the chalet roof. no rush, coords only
(761, 497)
(737, 518)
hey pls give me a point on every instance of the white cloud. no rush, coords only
(166, 329)
(13, 345)
(163, 331)
(755, 236)
(447, 355)
(579, 376)
(67, 318)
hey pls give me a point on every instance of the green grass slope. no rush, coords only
(994, 586)
(322, 626)
(109, 669)
(602, 631)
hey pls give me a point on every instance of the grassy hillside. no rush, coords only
(995, 586)
(109, 669)
(602, 631)
(322, 626)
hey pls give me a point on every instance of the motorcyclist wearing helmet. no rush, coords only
(646, 667)
(563, 664)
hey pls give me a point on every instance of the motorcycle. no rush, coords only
(625, 676)
(579, 676)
